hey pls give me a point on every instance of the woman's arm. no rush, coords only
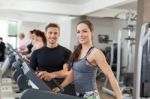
(66, 82)
(100, 60)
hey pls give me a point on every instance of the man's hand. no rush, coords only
(45, 75)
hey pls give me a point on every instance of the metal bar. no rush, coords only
(119, 55)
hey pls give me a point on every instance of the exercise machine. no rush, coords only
(104, 88)
(143, 64)
(124, 66)
(21, 65)
(8, 61)
(39, 89)
(38, 94)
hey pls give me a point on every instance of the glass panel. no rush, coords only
(12, 28)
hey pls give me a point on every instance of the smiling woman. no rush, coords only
(84, 63)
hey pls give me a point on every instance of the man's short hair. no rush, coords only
(52, 25)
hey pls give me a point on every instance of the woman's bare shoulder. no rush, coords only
(97, 51)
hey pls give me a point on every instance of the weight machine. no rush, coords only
(143, 64)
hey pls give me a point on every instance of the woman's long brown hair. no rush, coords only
(75, 55)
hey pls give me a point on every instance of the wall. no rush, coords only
(25, 27)
(65, 26)
(101, 26)
(64, 39)
(30, 21)
(3, 29)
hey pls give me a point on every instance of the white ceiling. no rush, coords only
(67, 1)
(119, 11)
(77, 8)
(128, 6)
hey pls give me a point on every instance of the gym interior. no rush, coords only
(121, 32)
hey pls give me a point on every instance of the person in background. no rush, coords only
(30, 45)
(39, 41)
(84, 62)
(52, 61)
(22, 43)
(2, 51)
(27, 53)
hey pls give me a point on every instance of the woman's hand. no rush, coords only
(56, 90)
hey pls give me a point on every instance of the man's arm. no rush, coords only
(57, 74)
